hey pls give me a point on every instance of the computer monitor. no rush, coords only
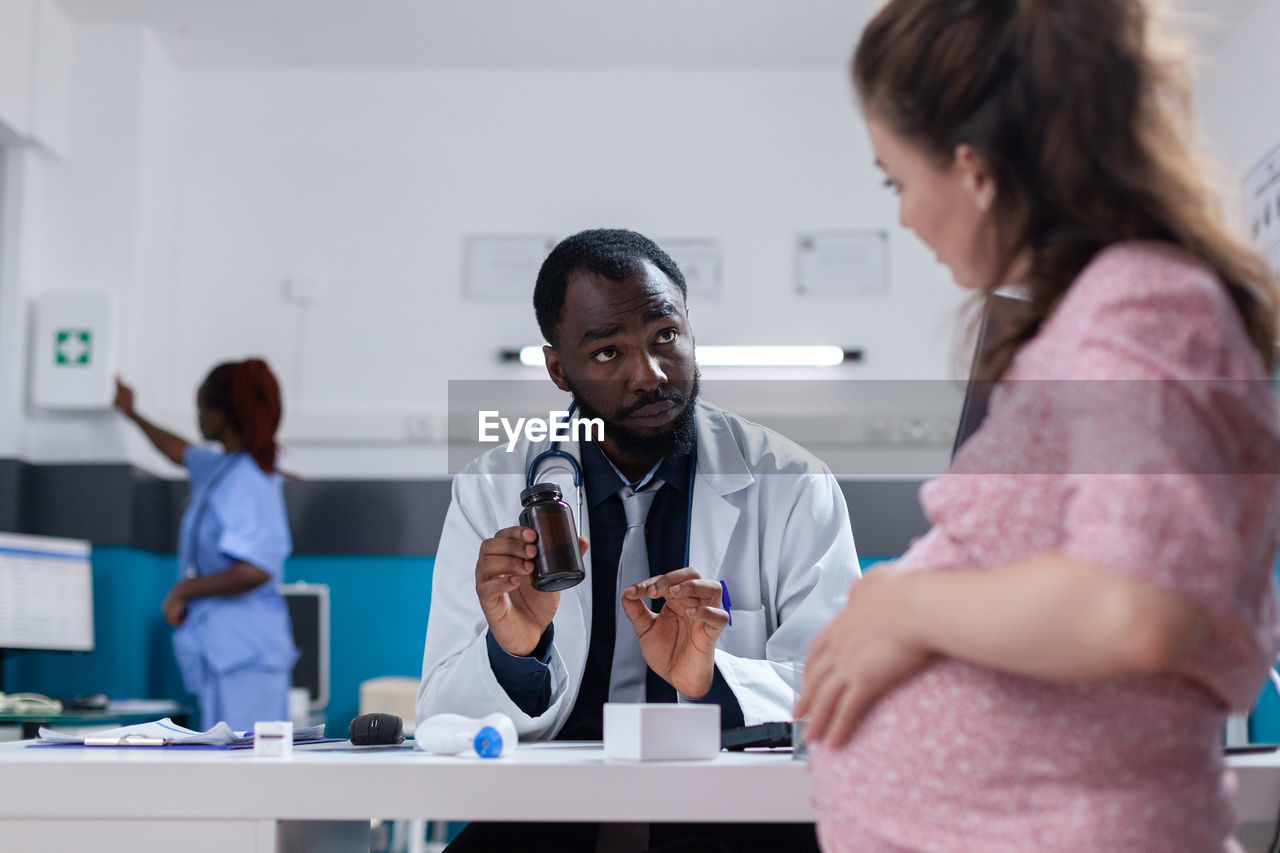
(46, 594)
(309, 614)
(998, 308)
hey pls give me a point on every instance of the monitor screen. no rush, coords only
(46, 593)
(309, 615)
(998, 306)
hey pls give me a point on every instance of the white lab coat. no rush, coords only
(768, 518)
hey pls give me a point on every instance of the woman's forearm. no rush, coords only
(172, 446)
(233, 580)
(1051, 616)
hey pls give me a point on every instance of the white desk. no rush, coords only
(1257, 796)
(144, 798)
(322, 798)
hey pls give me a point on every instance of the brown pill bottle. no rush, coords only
(558, 564)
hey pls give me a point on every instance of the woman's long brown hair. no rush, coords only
(1081, 111)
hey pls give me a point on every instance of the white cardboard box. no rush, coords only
(273, 739)
(662, 731)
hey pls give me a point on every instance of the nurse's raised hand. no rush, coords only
(517, 613)
(124, 398)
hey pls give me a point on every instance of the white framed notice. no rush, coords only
(699, 260)
(1262, 195)
(503, 266)
(842, 263)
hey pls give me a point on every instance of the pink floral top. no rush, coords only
(1165, 473)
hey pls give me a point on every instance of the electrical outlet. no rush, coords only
(303, 289)
(424, 428)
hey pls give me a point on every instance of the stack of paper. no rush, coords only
(168, 733)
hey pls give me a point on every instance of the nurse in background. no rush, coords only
(1049, 668)
(233, 640)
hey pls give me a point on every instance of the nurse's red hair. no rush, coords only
(249, 395)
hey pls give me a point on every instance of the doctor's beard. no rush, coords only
(676, 440)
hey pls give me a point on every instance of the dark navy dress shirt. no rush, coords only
(527, 680)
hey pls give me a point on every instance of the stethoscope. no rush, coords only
(562, 457)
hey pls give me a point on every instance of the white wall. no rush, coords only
(11, 315)
(17, 20)
(93, 221)
(372, 179)
(1237, 103)
(50, 82)
(192, 194)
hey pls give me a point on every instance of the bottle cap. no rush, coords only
(488, 743)
(540, 491)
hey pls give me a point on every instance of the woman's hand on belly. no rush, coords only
(1050, 616)
(868, 648)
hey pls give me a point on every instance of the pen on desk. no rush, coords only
(724, 596)
(127, 740)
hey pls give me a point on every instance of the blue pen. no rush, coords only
(724, 596)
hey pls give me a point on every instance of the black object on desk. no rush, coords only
(1247, 748)
(762, 735)
(376, 729)
(92, 702)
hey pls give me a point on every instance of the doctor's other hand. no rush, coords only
(868, 648)
(124, 398)
(174, 606)
(679, 641)
(517, 613)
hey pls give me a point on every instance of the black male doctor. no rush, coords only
(756, 510)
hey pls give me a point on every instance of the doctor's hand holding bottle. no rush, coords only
(678, 642)
(517, 613)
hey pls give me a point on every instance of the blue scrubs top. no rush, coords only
(236, 514)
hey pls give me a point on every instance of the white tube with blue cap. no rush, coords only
(492, 736)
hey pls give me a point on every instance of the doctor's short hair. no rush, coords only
(614, 253)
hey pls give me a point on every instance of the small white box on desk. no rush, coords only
(273, 739)
(661, 731)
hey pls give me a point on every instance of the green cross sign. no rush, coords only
(72, 347)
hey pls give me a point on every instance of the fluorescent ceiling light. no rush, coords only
(797, 356)
(819, 356)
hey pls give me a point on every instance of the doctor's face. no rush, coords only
(626, 354)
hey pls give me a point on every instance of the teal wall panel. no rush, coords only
(132, 655)
(1264, 722)
(378, 622)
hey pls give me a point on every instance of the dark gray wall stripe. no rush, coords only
(885, 515)
(367, 516)
(93, 502)
(11, 472)
(117, 504)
